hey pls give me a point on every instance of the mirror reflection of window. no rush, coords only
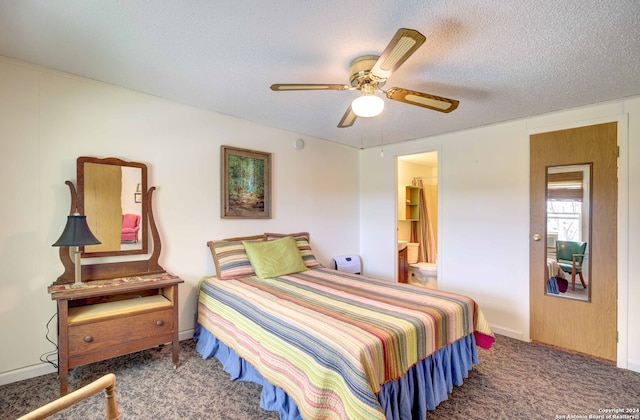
(567, 202)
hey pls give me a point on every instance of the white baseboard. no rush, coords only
(185, 335)
(46, 368)
(26, 373)
(518, 335)
(633, 365)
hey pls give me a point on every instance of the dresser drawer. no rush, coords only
(116, 336)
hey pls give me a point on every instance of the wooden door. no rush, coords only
(103, 205)
(588, 327)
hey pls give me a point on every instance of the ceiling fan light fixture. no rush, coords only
(369, 73)
(367, 106)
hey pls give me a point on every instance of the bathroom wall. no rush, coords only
(423, 165)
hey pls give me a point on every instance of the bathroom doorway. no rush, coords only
(417, 218)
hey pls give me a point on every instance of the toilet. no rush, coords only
(421, 273)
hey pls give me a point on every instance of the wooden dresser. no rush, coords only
(121, 306)
(109, 318)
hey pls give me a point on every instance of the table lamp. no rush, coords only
(76, 234)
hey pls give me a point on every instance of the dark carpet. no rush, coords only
(514, 380)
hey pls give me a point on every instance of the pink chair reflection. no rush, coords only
(130, 227)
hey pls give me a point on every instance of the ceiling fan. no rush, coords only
(370, 72)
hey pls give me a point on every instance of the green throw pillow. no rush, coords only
(274, 258)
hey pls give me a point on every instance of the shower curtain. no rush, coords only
(422, 230)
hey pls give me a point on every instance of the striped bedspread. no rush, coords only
(331, 339)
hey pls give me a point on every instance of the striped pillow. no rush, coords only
(304, 246)
(230, 258)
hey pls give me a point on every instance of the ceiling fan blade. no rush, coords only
(404, 43)
(348, 118)
(308, 86)
(437, 103)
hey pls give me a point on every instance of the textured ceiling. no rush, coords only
(502, 60)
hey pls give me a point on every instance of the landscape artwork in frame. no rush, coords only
(246, 184)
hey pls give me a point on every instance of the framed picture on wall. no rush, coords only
(246, 184)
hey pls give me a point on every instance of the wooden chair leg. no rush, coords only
(112, 405)
(582, 280)
(573, 279)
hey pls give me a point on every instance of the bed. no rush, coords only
(327, 344)
(556, 278)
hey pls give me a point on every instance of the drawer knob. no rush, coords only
(88, 339)
(159, 323)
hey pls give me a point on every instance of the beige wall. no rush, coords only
(48, 119)
(484, 215)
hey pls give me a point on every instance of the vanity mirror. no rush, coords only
(110, 195)
(568, 219)
(114, 196)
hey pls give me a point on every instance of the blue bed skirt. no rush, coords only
(422, 388)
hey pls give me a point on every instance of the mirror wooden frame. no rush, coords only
(111, 270)
(80, 168)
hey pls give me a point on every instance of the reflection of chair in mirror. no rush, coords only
(570, 256)
(107, 382)
(130, 227)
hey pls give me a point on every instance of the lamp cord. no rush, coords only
(46, 356)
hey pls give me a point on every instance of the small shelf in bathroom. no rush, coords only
(409, 208)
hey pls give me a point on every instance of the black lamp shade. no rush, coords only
(76, 233)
